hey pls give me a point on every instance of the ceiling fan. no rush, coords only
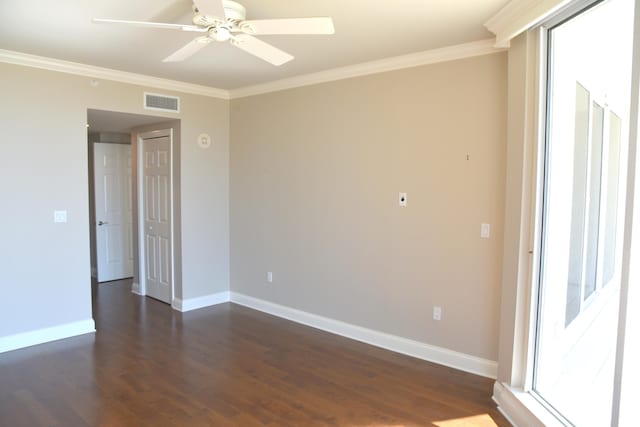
(225, 20)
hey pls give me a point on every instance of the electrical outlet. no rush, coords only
(269, 277)
(437, 313)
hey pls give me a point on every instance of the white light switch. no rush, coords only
(269, 277)
(59, 216)
(485, 231)
(402, 199)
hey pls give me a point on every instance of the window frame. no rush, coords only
(513, 389)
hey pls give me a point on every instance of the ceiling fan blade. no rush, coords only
(322, 25)
(213, 8)
(262, 50)
(189, 49)
(146, 24)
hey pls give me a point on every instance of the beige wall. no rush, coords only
(315, 176)
(316, 173)
(44, 166)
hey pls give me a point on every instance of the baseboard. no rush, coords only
(442, 356)
(40, 336)
(521, 409)
(200, 302)
(137, 289)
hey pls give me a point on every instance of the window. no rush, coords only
(589, 75)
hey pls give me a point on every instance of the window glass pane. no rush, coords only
(611, 209)
(578, 202)
(597, 124)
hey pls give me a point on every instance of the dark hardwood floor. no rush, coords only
(226, 366)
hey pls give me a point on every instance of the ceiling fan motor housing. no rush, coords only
(235, 12)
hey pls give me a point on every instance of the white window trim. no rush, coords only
(628, 351)
(513, 394)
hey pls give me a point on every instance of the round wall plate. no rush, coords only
(204, 140)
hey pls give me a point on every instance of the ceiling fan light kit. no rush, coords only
(225, 20)
(222, 34)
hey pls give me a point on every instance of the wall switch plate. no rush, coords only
(485, 231)
(59, 216)
(269, 277)
(402, 199)
(437, 313)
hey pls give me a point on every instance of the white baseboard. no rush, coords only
(200, 302)
(442, 356)
(521, 409)
(40, 336)
(137, 289)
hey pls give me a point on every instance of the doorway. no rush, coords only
(117, 198)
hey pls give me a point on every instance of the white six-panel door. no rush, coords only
(114, 219)
(156, 206)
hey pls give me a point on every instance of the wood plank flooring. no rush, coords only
(227, 366)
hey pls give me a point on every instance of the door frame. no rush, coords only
(140, 288)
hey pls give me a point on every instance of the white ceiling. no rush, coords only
(366, 30)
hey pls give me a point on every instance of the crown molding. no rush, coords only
(19, 58)
(450, 53)
(518, 16)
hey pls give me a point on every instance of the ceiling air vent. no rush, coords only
(153, 101)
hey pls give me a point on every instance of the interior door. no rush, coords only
(114, 219)
(157, 202)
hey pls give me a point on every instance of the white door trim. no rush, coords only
(141, 288)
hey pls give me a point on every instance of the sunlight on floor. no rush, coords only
(483, 420)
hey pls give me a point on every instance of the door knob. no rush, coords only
(102, 222)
